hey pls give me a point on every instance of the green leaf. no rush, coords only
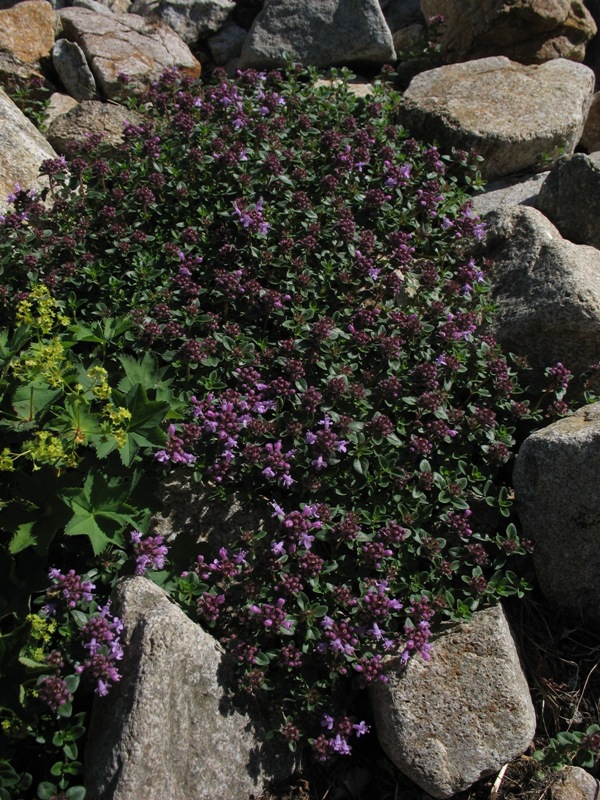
(30, 400)
(33, 666)
(99, 510)
(70, 750)
(22, 538)
(145, 414)
(143, 372)
(46, 790)
(76, 793)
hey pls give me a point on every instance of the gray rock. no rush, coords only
(570, 198)
(190, 19)
(191, 515)
(590, 138)
(125, 44)
(22, 150)
(318, 32)
(168, 729)
(87, 117)
(556, 486)
(547, 291)
(59, 104)
(27, 30)
(227, 44)
(410, 38)
(530, 31)
(575, 783)
(92, 5)
(72, 68)
(403, 13)
(450, 721)
(517, 190)
(14, 74)
(517, 117)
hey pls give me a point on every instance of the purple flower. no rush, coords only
(361, 728)
(53, 692)
(150, 552)
(69, 587)
(341, 746)
(327, 722)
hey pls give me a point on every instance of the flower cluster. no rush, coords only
(101, 635)
(150, 552)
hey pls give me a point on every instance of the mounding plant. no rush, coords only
(299, 273)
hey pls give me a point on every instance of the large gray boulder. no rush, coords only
(322, 33)
(519, 118)
(547, 291)
(556, 486)
(570, 198)
(27, 30)
(530, 31)
(450, 721)
(190, 19)
(125, 44)
(168, 730)
(22, 150)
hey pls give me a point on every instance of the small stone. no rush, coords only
(575, 783)
(590, 138)
(514, 191)
(227, 44)
(92, 5)
(91, 116)
(59, 104)
(72, 68)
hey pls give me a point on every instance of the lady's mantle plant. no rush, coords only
(301, 269)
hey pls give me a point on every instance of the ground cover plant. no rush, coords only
(269, 287)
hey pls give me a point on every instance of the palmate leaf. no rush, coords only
(143, 428)
(145, 373)
(33, 398)
(134, 442)
(37, 513)
(100, 511)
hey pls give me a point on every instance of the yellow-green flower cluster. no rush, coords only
(40, 311)
(40, 634)
(43, 360)
(100, 388)
(47, 448)
(118, 417)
